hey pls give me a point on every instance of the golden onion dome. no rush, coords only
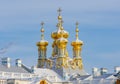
(42, 43)
(65, 34)
(77, 42)
(57, 34)
(62, 40)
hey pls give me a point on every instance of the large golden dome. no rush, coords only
(57, 34)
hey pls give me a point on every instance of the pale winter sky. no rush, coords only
(99, 29)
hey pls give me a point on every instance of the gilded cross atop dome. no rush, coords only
(59, 11)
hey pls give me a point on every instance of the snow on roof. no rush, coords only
(105, 76)
(13, 69)
(48, 73)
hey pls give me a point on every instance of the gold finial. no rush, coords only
(60, 21)
(77, 30)
(59, 14)
(42, 31)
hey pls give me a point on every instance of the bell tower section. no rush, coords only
(42, 48)
(77, 47)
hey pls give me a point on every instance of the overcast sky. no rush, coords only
(99, 29)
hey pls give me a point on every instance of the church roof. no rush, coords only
(13, 69)
(105, 76)
(79, 77)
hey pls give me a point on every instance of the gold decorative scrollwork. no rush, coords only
(49, 64)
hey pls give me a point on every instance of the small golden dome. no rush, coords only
(77, 42)
(42, 43)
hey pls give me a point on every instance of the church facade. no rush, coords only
(60, 68)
